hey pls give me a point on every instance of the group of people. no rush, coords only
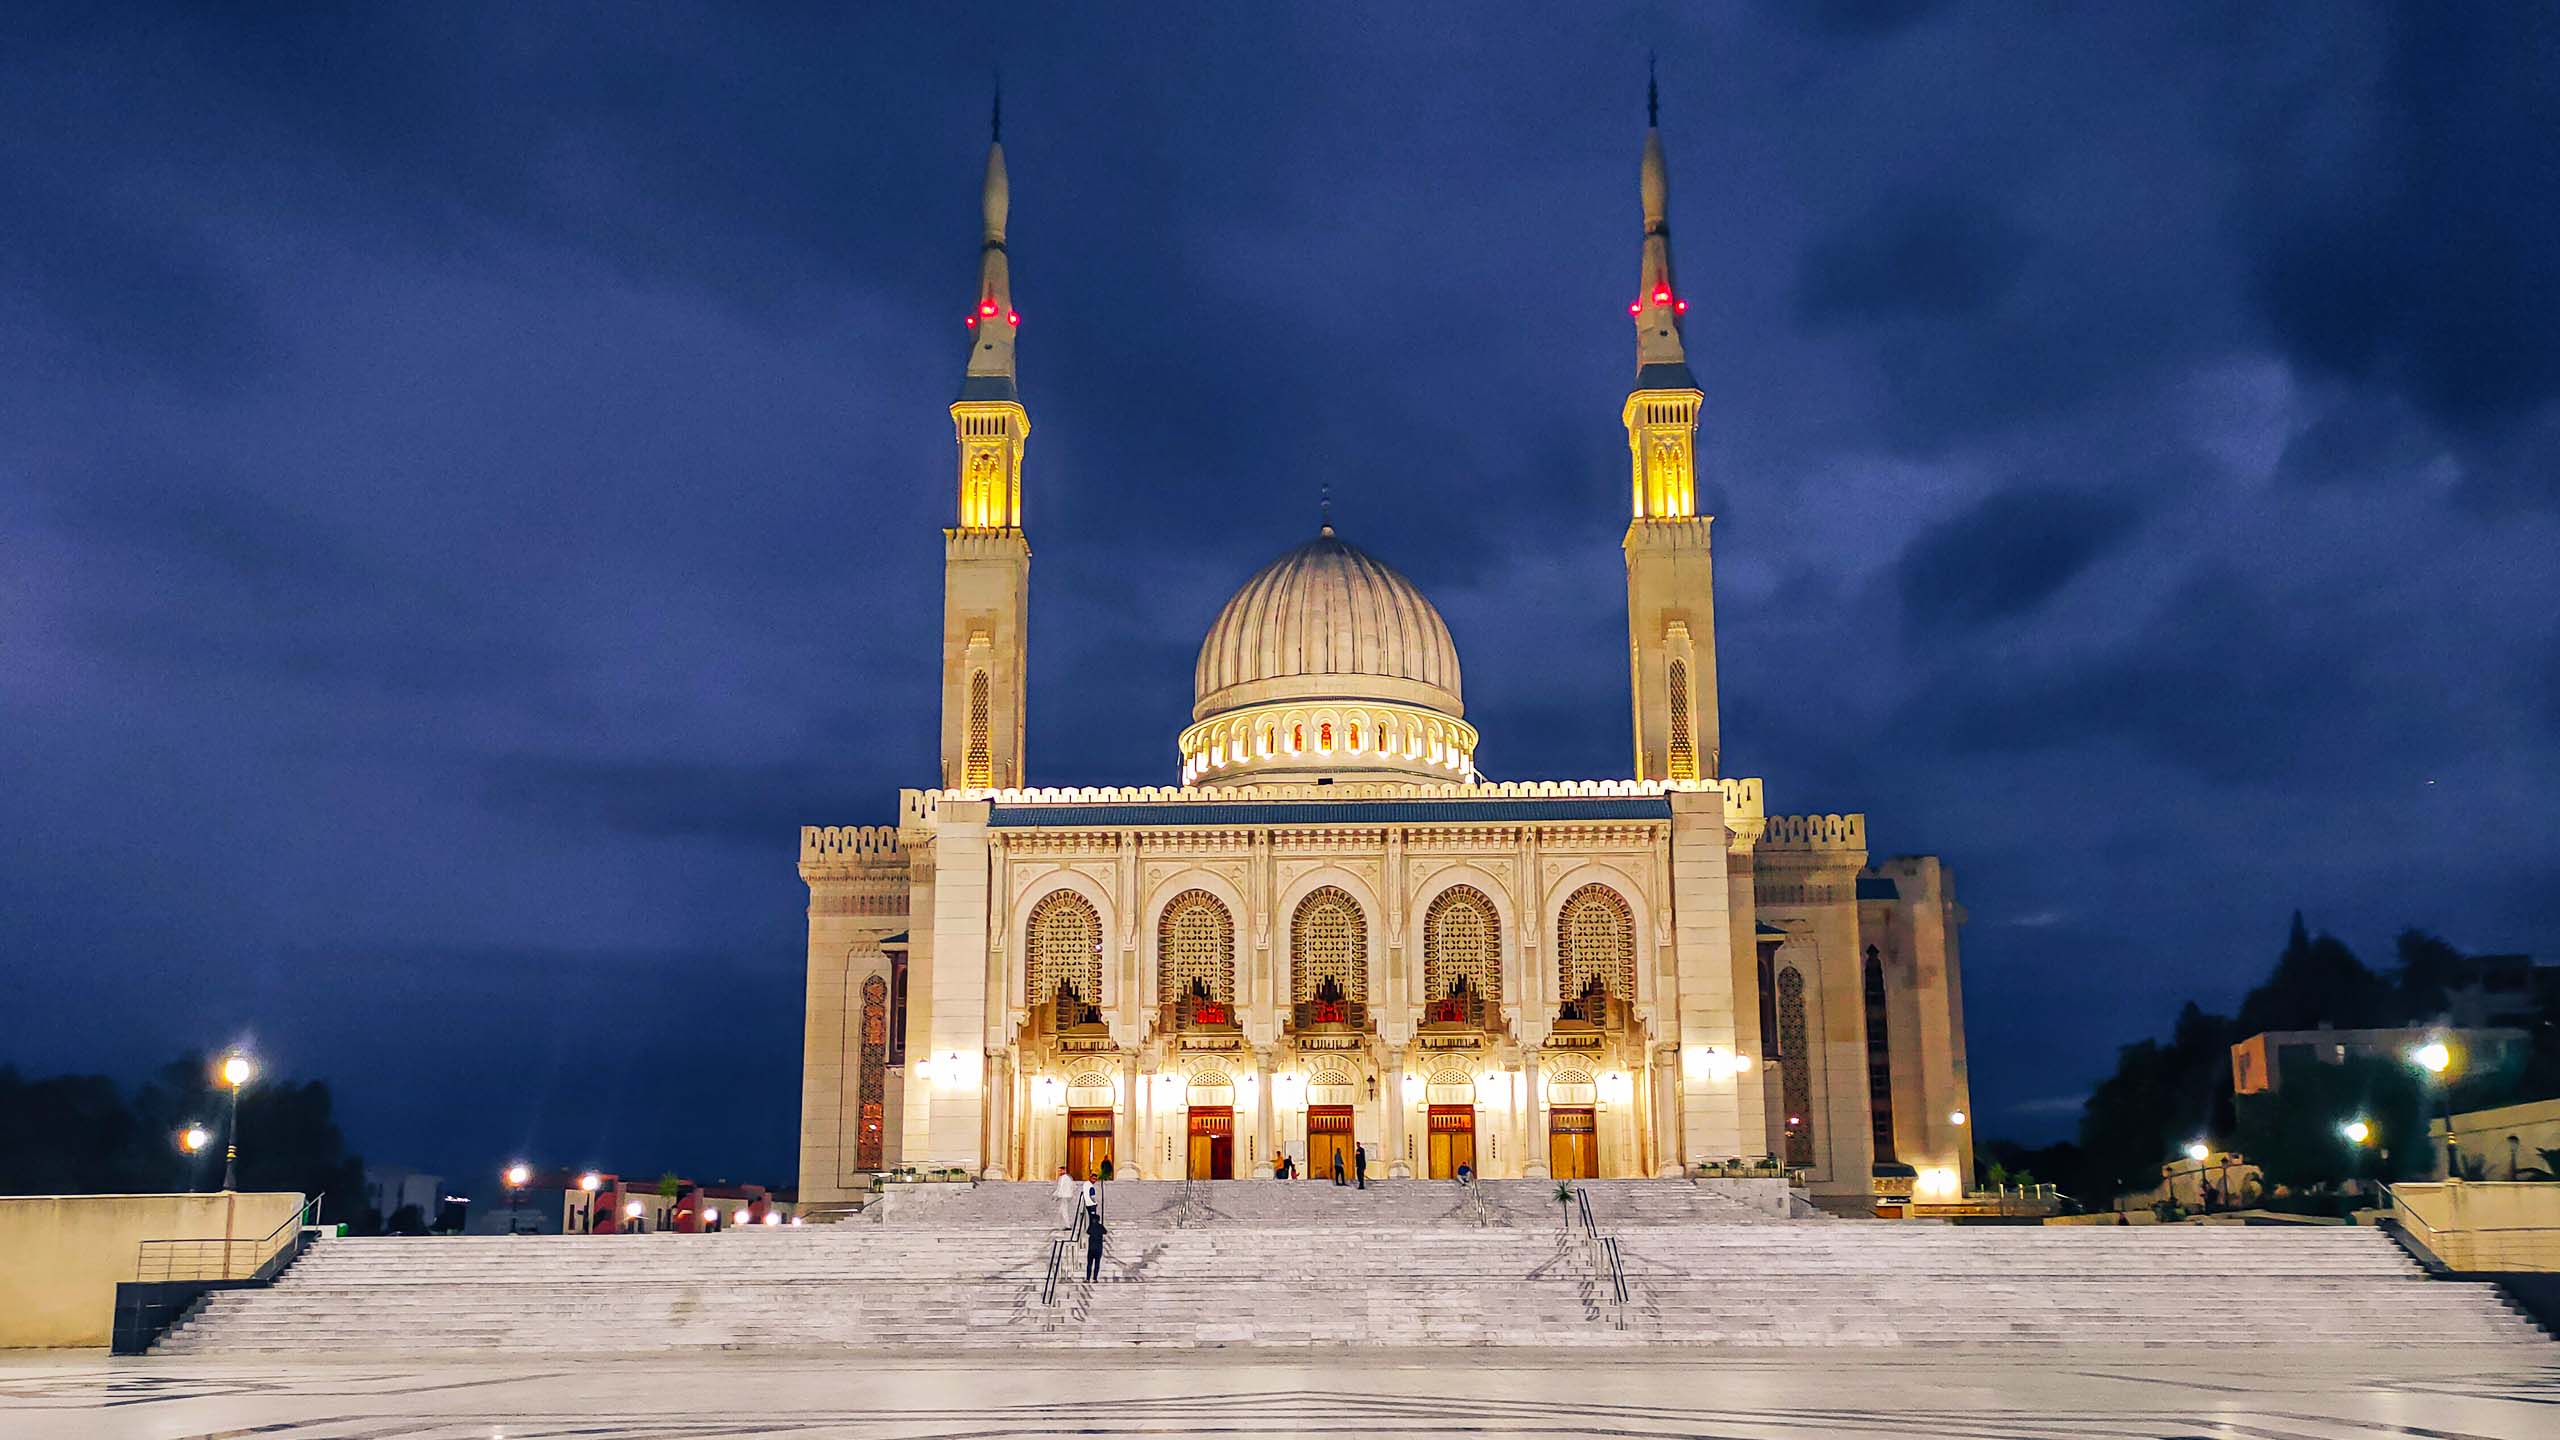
(1284, 1166)
(1086, 1198)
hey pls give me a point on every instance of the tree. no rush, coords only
(2317, 981)
(2159, 1098)
(2294, 1133)
(2427, 972)
(77, 1134)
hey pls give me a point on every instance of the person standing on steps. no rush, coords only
(1337, 1167)
(1105, 1176)
(1066, 1193)
(1093, 1201)
(1360, 1164)
(1094, 1246)
(1279, 1166)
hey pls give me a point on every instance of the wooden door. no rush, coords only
(1573, 1150)
(1328, 1135)
(1453, 1140)
(1213, 1143)
(1088, 1142)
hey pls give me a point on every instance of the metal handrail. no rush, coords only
(1057, 1258)
(167, 1257)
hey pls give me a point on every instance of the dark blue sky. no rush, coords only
(469, 481)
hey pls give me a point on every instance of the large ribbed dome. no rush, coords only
(1327, 621)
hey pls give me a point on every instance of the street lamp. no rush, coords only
(235, 1072)
(516, 1176)
(192, 1140)
(2197, 1150)
(2356, 1131)
(590, 1182)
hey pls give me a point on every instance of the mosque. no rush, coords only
(1331, 931)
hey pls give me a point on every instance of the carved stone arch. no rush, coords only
(1580, 876)
(1329, 941)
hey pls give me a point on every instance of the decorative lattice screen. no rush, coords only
(872, 1097)
(1062, 942)
(1795, 1075)
(1196, 944)
(1462, 937)
(1329, 940)
(1596, 939)
(1684, 753)
(978, 771)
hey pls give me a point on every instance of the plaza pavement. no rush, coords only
(2273, 1393)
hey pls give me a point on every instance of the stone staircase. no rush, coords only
(1401, 1264)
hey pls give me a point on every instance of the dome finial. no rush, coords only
(992, 320)
(1324, 508)
(1652, 95)
(1659, 304)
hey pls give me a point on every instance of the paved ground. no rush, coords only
(2322, 1394)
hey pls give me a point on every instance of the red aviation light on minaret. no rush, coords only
(971, 322)
(1013, 317)
(986, 307)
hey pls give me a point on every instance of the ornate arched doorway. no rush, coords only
(1451, 1103)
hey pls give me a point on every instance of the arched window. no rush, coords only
(978, 771)
(1195, 949)
(1329, 948)
(1355, 736)
(1297, 738)
(1879, 1058)
(1324, 736)
(873, 1095)
(1684, 753)
(1462, 942)
(1062, 949)
(1595, 942)
(1795, 1067)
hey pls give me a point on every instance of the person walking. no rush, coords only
(1106, 1170)
(1093, 1233)
(1337, 1167)
(1093, 1201)
(1066, 1193)
(1360, 1164)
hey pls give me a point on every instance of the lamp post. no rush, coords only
(2197, 1151)
(236, 1072)
(590, 1183)
(516, 1176)
(2436, 1059)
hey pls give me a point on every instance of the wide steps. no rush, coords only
(1410, 1264)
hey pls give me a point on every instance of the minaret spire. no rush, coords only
(993, 320)
(1662, 363)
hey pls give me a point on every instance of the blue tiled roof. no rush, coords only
(1878, 887)
(1332, 812)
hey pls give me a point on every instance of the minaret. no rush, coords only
(1671, 615)
(986, 566)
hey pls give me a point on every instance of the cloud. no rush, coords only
(2007, 555)
(2404, 242)
(1918, 254)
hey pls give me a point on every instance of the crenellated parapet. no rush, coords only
(1815, 832)
(841, 851)
(1742, 796)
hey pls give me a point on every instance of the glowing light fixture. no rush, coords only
(2434, 1057)
(710, 1214)
(1955, 1117)
(194, 1138)
(518, 1173)
(591, 1182)
(2356, 1131)
(237, 1069)
(2197, 1150)
(773, 1217)
(632, 1211)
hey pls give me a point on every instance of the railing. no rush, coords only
(226, 1258)
(1605, 1259)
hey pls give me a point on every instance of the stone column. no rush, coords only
(1391, 1088)
(1536, 1117)
(1001, 1117)
(1667, 1143)
(1259, 1162)
(1124, 1114)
